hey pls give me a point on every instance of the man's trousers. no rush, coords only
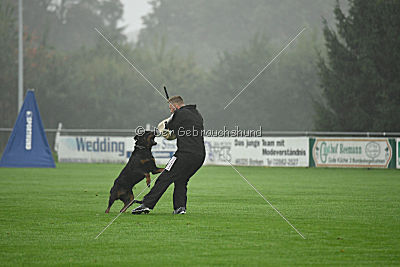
(178, 171)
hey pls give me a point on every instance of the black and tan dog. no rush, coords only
(140, 164)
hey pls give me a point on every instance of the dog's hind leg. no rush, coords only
(128, 201)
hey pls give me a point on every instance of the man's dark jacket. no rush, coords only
(187, 124)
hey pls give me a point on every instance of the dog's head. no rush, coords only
(146, 139)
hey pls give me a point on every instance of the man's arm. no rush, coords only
(173, 121)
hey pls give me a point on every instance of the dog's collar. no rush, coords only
(140, 147)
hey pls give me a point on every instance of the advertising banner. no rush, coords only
(93, 149)
(351, 152)
(98, 149)
(398, 153)
(258, 151)
(246, 151)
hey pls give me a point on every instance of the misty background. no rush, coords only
(339, 75)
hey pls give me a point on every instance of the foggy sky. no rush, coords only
(133, 11)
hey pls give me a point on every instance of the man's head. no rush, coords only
(175, 102)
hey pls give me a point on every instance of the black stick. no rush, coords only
(166, 93)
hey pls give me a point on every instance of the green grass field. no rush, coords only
(348, 216)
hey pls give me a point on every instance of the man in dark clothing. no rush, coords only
(187, 124)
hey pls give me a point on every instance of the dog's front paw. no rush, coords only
(159, 170)
(148, 179)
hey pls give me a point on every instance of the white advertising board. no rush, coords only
(93, 149)
(98, 149)
(258, 151)
(398, 153)
(246, 151)
(352, 152)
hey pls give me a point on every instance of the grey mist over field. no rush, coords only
(206, 51)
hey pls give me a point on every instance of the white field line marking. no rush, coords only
(117, 216)
(144, 77)
(266, 200)
(255, 77)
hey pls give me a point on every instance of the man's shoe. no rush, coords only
(141, 209)
(181, 210)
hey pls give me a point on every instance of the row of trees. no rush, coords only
(206, 28)
(352, 85)
(360, 76)
(47, 67)
(93, 87)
